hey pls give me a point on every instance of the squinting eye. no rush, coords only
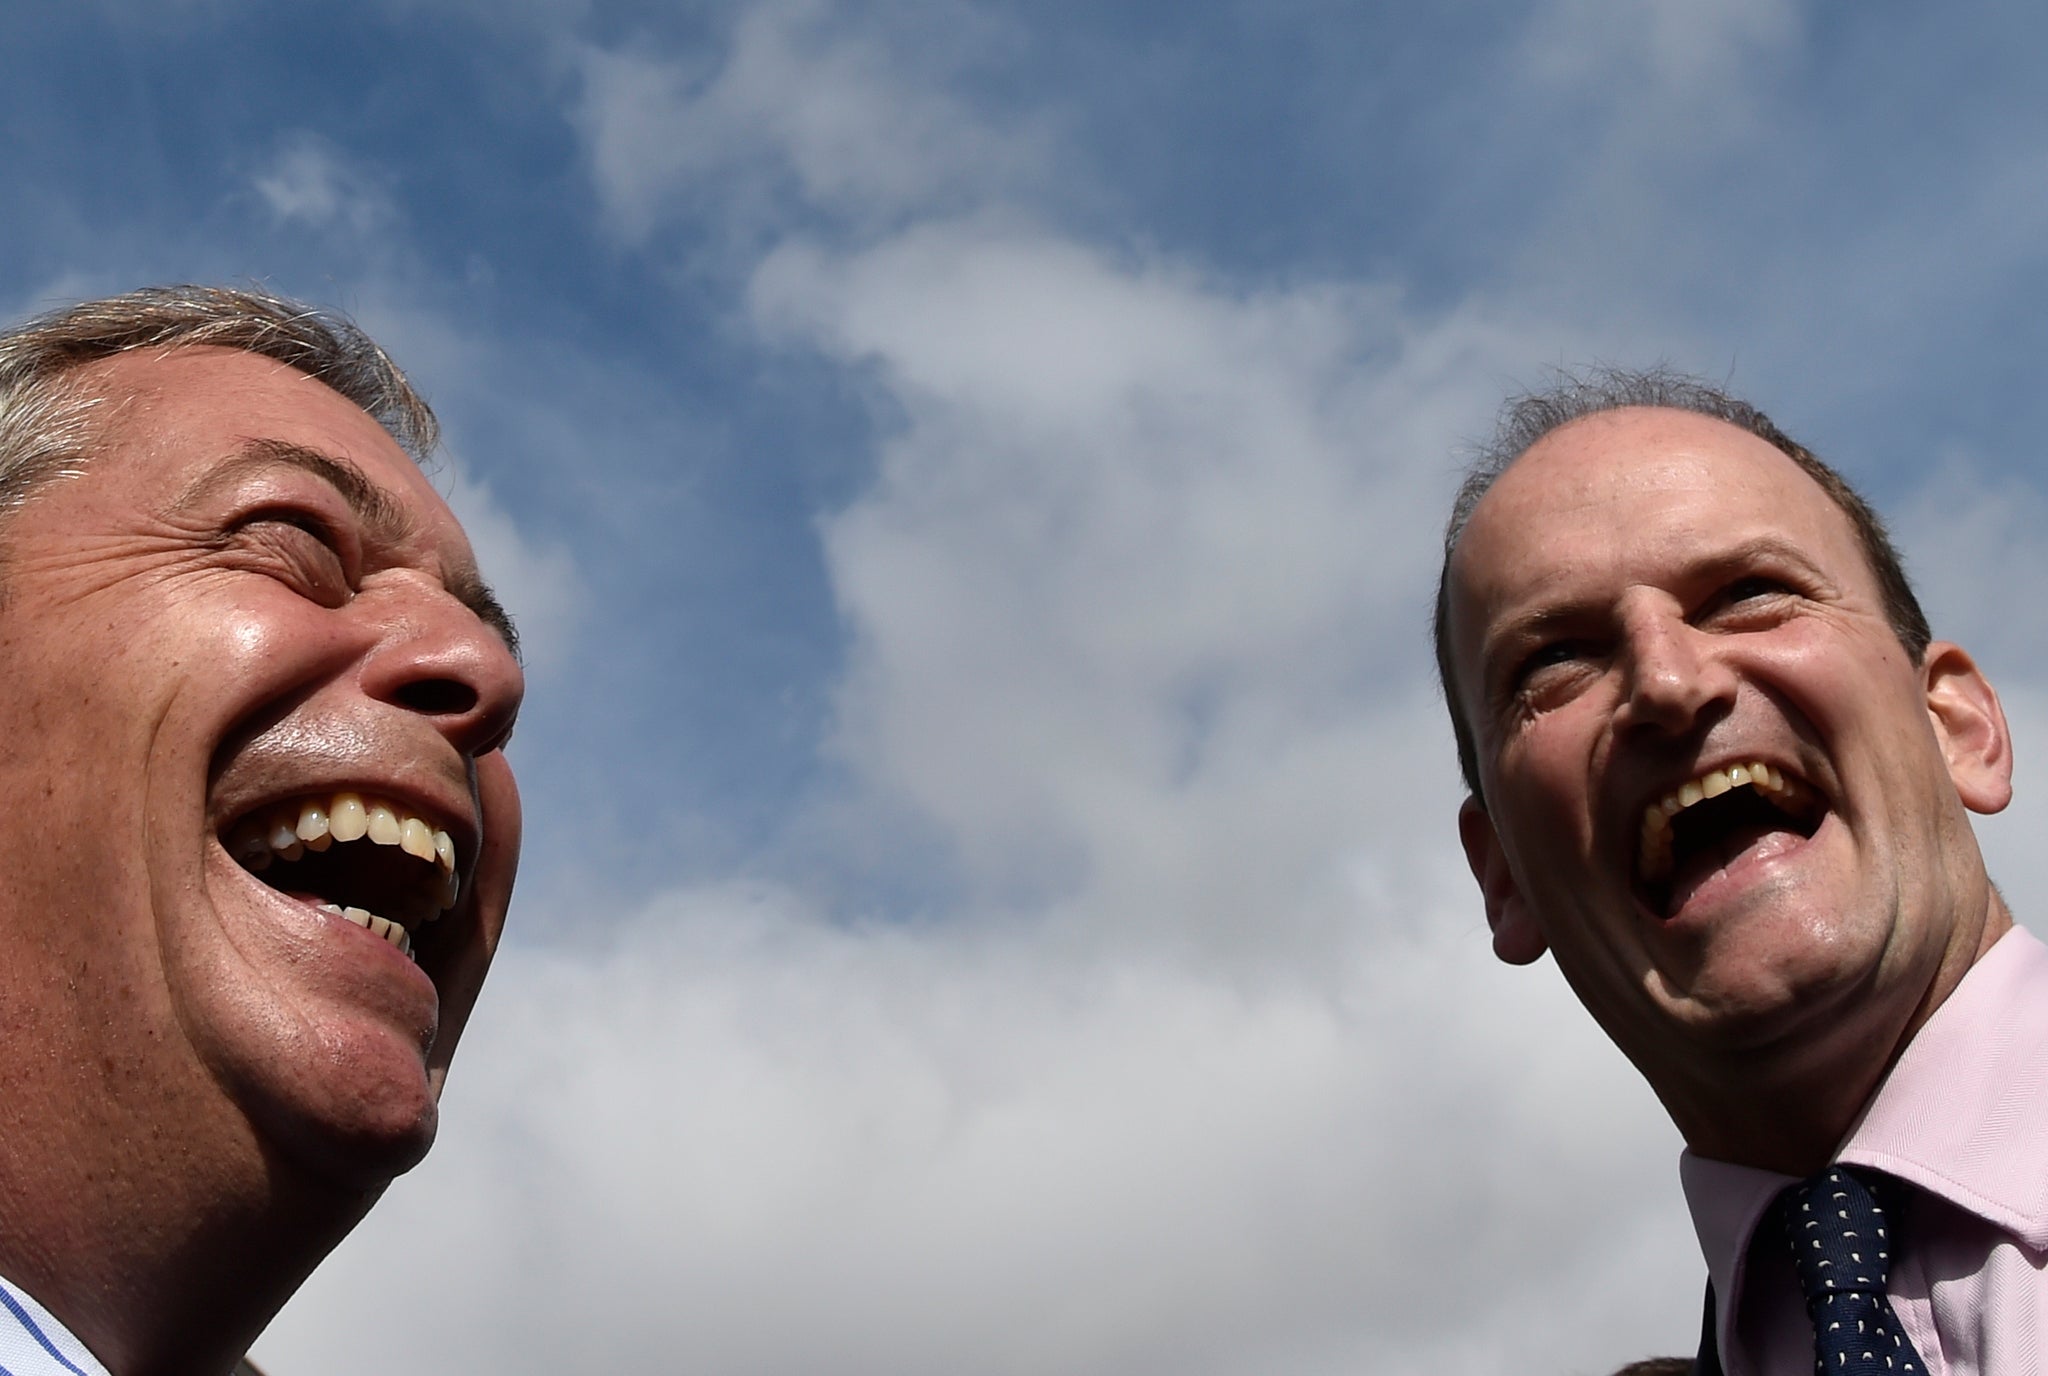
(1556, 652)
(298, 549)
(1745, 589)
(1547, 669)
(1751, 602)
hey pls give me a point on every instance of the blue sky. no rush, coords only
(968, 474)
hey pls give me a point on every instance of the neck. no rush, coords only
(171, 1299)
(160, 1256)
(1788, 1105)
(1792, 1125)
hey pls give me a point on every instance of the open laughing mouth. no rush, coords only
(1708, 822)
(364, 858)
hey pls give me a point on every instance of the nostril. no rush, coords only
(438, 697)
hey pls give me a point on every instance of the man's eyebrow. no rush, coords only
(386, 519)
(1540, 621)
(1724, 562)
(1769, 546)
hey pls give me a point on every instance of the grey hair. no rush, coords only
(46, 418)
(1526, 419)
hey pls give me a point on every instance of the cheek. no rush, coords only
(1823, 664)
(1853, 707)
(1549, 761)
(182, 680)
(249, 638)
(254, 648)
(262, 626)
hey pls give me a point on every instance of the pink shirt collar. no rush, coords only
(1962, 1116)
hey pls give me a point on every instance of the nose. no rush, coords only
(1675, 676)
(448, 656)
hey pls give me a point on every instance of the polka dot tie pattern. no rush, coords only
(1839, 1245)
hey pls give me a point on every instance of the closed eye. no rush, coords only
(296, 547)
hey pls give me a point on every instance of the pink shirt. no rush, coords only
(1963, 1117)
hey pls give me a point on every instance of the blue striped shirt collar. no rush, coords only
(33, 1343)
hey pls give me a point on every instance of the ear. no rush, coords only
(1970, 725)
(1516, 937)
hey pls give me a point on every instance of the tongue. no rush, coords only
(1754, 840)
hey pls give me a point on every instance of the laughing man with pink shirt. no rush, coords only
(1720, 770)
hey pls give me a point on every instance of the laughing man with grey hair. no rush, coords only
(259, 834)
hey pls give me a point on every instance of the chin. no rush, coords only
(335, 1096)
(1757, 1011)
(357, 1148)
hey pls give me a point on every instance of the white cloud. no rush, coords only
(739, 1139)
(1211, 1070)
(803, 106)
(1141, 581)
(312, 182)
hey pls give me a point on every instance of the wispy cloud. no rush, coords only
(312, 183)
(1158, 529)
(806, 108)
(1201, 1045)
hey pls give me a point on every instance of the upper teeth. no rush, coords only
(1654, 855)
(289, 830)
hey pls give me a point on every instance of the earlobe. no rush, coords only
(1970, 724)
(1516, 937)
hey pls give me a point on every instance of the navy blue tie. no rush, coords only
(1837, 1231)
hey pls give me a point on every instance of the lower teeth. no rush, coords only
(381, 926)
